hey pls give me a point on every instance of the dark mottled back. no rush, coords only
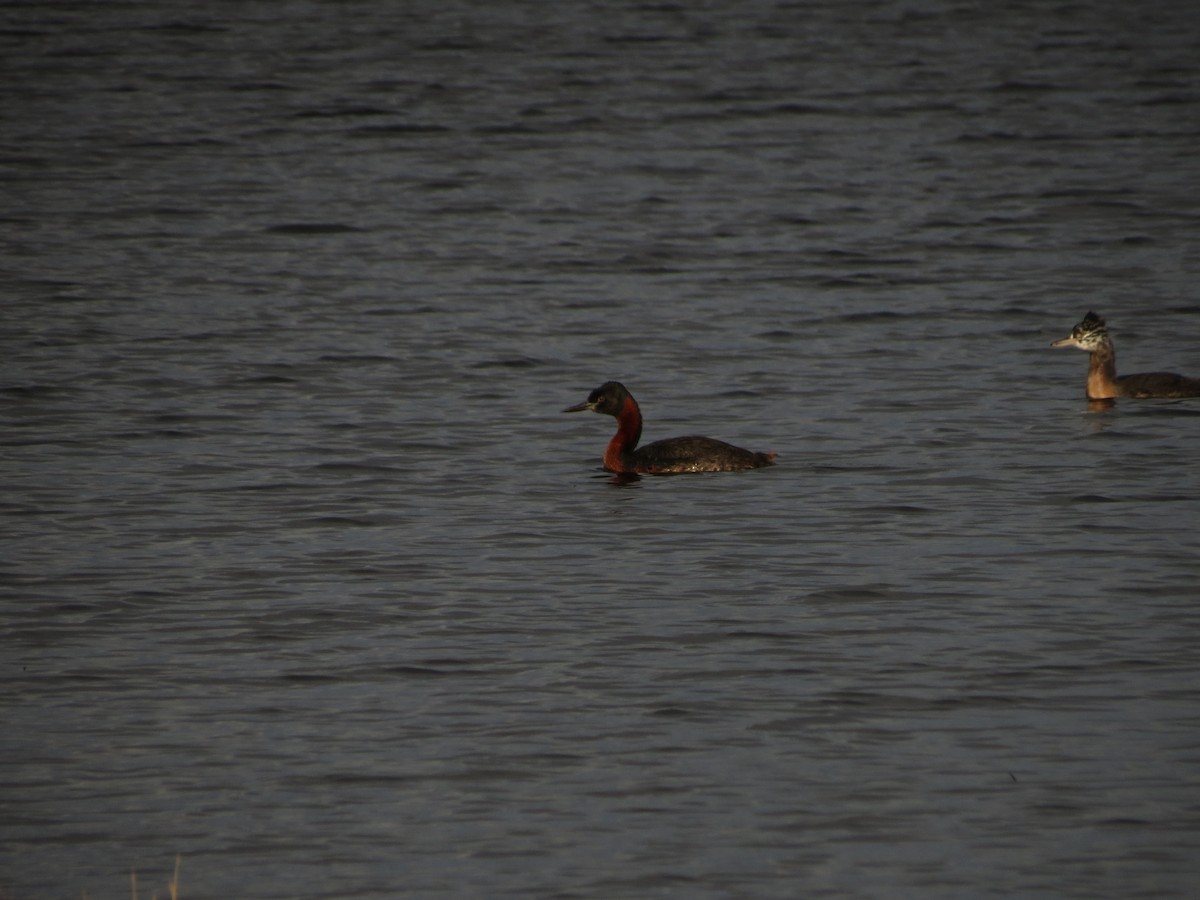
(1158, 384)
(698, 454)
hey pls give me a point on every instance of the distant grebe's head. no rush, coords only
(1090, 334)
(608, 399)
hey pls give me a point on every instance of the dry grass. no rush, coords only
(172, 885)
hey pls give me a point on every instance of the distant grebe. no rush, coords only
(1103, 383)
(669, 457)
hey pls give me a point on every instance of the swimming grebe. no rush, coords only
(672, 456)
(1103, 383)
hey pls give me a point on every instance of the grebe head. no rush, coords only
(1090, 334)
(608, 399)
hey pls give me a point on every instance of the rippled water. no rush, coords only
(306, 580)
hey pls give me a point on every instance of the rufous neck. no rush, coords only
(623, 443)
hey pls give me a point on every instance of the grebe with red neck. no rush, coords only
(1103, 383)
(668, 457)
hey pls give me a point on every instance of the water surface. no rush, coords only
(306, 580)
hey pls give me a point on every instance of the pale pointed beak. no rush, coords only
(580, 407)
(1065, 342)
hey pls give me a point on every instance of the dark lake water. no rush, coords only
(305, 579)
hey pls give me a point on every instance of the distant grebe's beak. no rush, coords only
(580, 407)
(1068, 341)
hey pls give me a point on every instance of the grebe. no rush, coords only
(1103, 383)
(669, 457)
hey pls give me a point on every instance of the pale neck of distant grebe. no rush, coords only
(1102, 372)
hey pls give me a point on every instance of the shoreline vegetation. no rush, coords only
(172, 885)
